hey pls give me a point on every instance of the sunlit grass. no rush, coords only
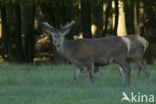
(27, 84)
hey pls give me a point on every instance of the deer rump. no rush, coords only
(101, 51)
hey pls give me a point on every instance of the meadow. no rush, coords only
(53, 84)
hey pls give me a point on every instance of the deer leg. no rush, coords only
(128, 74)
(91, 72)
(120, 70)
(76, 73)
(127, 70)
(138, 70)
(144, 69)
(102, 72)
(141, 66)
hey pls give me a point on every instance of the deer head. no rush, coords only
(58, 35)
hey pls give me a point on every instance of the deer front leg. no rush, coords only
(143, 67)
(91, 72)
(102, 72)
(76, 73)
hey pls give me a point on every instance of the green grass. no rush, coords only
(26, 84)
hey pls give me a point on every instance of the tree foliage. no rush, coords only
(21, 21)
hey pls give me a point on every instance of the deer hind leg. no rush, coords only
(144, 69)
(76, 73)
(127, 70)
(141, 66)
(120, 70)
(138, 67)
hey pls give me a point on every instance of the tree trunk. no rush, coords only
(121, 31)
(66, 16)
(107, 17)
(18, 37)
(48, 13)
(141, 17)
(11, 32)
(5, 34)
(116, 17)
(129, 17)
(99, 18)
(86, 18)
(28, 15)
(136, 24)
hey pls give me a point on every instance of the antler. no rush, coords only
(49, 27)
(67, 25)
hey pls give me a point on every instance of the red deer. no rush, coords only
(85, 53)
(138, 47)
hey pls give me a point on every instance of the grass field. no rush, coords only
(47, 84)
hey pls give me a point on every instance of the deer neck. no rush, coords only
(64, 49)
(61, 47)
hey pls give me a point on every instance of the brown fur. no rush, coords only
(138, 46)
(85, 53)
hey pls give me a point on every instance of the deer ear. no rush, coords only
(66, 32)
